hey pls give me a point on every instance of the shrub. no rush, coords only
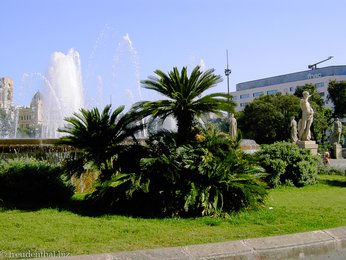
(206, 177)
(287, 164)
(32, 183)
(223, 185)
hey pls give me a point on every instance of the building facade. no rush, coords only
(19, 121)
(246, 92)
(31, 117)
(6, 94)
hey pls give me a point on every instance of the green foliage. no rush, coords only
(337, 94)
(117, 194)
(326, 147)
(288, 210)
(98, 135)
(28, 132)
(316, 100)
(222, 123)
(267, 118)
(323, 122)
(206, 177)
(287, 164)
(32, 183)
(185, 101)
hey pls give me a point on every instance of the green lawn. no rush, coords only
(288, 210)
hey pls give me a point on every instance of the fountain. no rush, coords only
(62, 87)
(62, 95)
(112, 72)
(64, 91)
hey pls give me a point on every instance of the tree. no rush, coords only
(337, 94)
(185, 101)
(267, 118)
(27, 132)
(315, 96)
(98, 135)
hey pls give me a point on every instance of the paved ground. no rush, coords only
(321, 244)
(338, 163)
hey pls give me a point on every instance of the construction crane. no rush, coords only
(314, 66)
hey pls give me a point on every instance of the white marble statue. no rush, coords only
(305, 122)
(294, 130)
(233, 126)
(337, 131)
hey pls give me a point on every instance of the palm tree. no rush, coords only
(185, 101)
(98, 135)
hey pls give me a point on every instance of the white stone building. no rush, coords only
(6, 94)
(31, 116)
(320, 77)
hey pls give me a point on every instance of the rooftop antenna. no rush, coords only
(314, 66)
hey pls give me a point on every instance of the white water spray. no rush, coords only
(135, 61)
(64, 91)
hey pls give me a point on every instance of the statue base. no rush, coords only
(337, 151)
(310, 145)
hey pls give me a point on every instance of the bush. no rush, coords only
(287, 164)
(31, 183)
(206, 177)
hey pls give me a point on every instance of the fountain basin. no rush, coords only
(249, 146)
(28, 141)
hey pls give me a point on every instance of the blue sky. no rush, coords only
(120, 42)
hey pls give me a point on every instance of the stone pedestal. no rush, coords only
(337, 151)
(311, 145)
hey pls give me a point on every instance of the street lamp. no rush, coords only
(227, 73)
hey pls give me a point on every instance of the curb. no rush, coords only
(305, 245)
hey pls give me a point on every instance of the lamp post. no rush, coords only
(227, 73)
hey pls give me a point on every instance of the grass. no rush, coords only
(288, 210)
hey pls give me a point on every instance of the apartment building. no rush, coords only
(286, 84)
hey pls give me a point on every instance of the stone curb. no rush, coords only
(295, 246)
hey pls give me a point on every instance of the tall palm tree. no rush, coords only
(97, 134)
(185, 101)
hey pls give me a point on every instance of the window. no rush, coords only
(244, 96)
(319, 85)
(292, 89)
(243, 104)
(273, 91)
(321, 94)
(234, 98)
(257, 94)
